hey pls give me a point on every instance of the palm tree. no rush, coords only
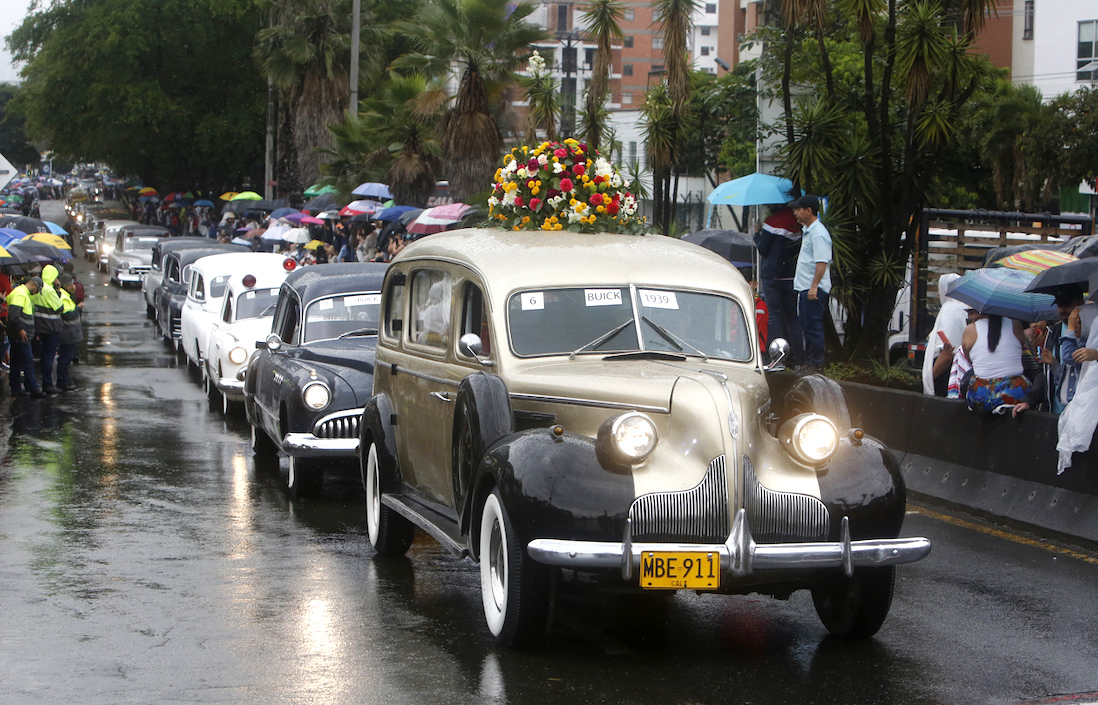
(390, 140)
(675, 18)
(486, 40)
(603, 20)
(305, 54)
(661, 131)
(542, 100)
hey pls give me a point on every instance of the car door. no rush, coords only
(192, 309)
(272, 380)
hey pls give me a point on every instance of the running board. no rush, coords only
(427, 519)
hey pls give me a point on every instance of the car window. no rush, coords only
(217, 286)
(394, 306)
(287, 319)
(555, 321)
(430, 292)
(255, 303)
(134, 244)
(197, 289)
(676, 321)
(187, 271)
(173, 270)
(333, 316)
(474, 317)
(227, 310)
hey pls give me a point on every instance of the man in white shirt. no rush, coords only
(812, 280)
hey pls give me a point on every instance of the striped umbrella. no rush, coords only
(1036, 261)
(1001, 291)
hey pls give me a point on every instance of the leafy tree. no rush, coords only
(542, 100)
(486, 40)
(162, 90)
(603, 20)
(13, 139)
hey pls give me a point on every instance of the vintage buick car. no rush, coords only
(131, 257)
(305, 387)
(206, 290)
(99, 231)
(172, 290)
(244, 319)
(151, 281)
(593, 408)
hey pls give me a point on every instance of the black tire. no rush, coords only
(390, 533)
(150, 312)
(305, 478)
(212, 393)
(482, 416)
(855, 607)
(262, 445)
(816, 394)
(515, 590)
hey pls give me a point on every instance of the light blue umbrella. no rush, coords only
(372, 189)
(1002, 292)
(753, 190)
(54, 228)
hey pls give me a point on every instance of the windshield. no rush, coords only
(253, 304)
(336, 315)
(584, 320)
(139, 243)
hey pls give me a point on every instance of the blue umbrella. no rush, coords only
(280, 212)
(10, 235)
(203, 204)
(372, 189)
(753, 190)
(55, 228)
(392, 212)
(1001, 291)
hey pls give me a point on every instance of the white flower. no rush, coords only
(509, 197)
(493, 201)
(521, 172)
(557, 167)
(542, 159)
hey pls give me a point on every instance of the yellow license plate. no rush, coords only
(666, 570)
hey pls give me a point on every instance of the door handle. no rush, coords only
(444, 396)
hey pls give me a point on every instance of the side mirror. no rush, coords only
(274, 342)
(778, 351)
(470, 344)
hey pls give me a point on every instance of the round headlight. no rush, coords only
(123, 265)
(316, 395)
(629, 438)
(237, 356)
(811, 438)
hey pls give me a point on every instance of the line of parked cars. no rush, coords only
(564, 409)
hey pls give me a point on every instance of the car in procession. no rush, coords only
(153, 278)
(306, 385)
(99, 231)
(172, 291)
(206, 290)
(131, 257)
(609, 424)
(243, 320)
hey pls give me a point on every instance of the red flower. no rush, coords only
(597, 180)
(534, 203)
(566, 185)
(533, 165)
(553, 193)
(518, 201)
(612, 209)
(560, 153)
(579, 169)
(596, 199)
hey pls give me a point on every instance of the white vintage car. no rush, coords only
(209, 278)
(244, 319)
(131, 257)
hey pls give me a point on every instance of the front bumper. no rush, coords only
(232, 388)
(739, 555)
(334, 435)
(126, 275)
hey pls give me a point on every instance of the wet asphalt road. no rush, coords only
(145, 558)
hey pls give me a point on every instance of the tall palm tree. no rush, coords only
(486, 41)
(675, 18)
(542, 100)
(305, 53)
(603, 19)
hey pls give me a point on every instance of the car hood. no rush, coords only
(249, 331)
(137, 257)
(338, 355)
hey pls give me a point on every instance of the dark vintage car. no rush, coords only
(151, 281)
(608, 422)
(172, 290)
(305, 387)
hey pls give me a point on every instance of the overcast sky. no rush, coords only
(12, 13)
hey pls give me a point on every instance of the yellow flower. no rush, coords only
(553, 219)
(539, 182)
(525, 219)
(535, 190)
(508, 158)
(557, 226)
(585, 178)
(572, 202)
(525, 149)
(606, 200)
(516, 228)
(601, 209)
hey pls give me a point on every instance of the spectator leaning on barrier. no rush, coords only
(996, 355)
(944, 338)
(812, 281)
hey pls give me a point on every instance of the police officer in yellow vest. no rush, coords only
(20, 332)
(47, 325)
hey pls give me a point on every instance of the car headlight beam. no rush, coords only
(810, 438)
(316, 395)
(238, 355)
(629, 438)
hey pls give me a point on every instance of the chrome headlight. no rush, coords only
(238, 355)
(810, 438)
(123, 265)
(316, 395)
(628, 438)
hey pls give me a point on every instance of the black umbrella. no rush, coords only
(33, 250)
(323, 202)
(738, 248)
(1082, 271)
(20, 222)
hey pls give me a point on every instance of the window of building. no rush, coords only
(562, 17)
(657, 68)
(711, 8)
(627, 97)
(633, 153)
(627, 70)
(1086, 53)
(705, 31)
(630, 15)
(657, 42)
(589, 57)
(1027, 26)
(705, 51)
(629, 41)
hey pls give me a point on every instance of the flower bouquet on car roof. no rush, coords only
(562, 186)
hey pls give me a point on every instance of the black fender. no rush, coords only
(816, 394)
(376, 427)
(554, 487)
(482, 416)
(863, 481)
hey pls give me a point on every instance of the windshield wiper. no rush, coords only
(599, 340)
(360, 331)
(673, 339)
(269, 308)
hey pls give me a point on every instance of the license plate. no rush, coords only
(666, 570)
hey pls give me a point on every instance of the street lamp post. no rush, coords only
(568, 66)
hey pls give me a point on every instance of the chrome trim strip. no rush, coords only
(337, 414)
(429, 378)
(783, 516)
(697, 514)
(306, 445)
(587, 402)
(230, 384)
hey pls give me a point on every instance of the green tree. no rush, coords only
(390, 140)
(165, 91)
(542, 101)
(486, 40)
(603, 21)
(13, 138)
(1001, 121)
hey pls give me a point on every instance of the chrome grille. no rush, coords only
(177, 329)
(697, 515)
(342, 424)
(781, 517)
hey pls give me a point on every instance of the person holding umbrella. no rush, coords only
(20, 332)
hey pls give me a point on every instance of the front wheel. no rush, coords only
(262, 445)
(305, 479)
(855, 607)
(390, 533)
(513, 587)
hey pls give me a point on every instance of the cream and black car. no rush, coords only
(595, 409)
